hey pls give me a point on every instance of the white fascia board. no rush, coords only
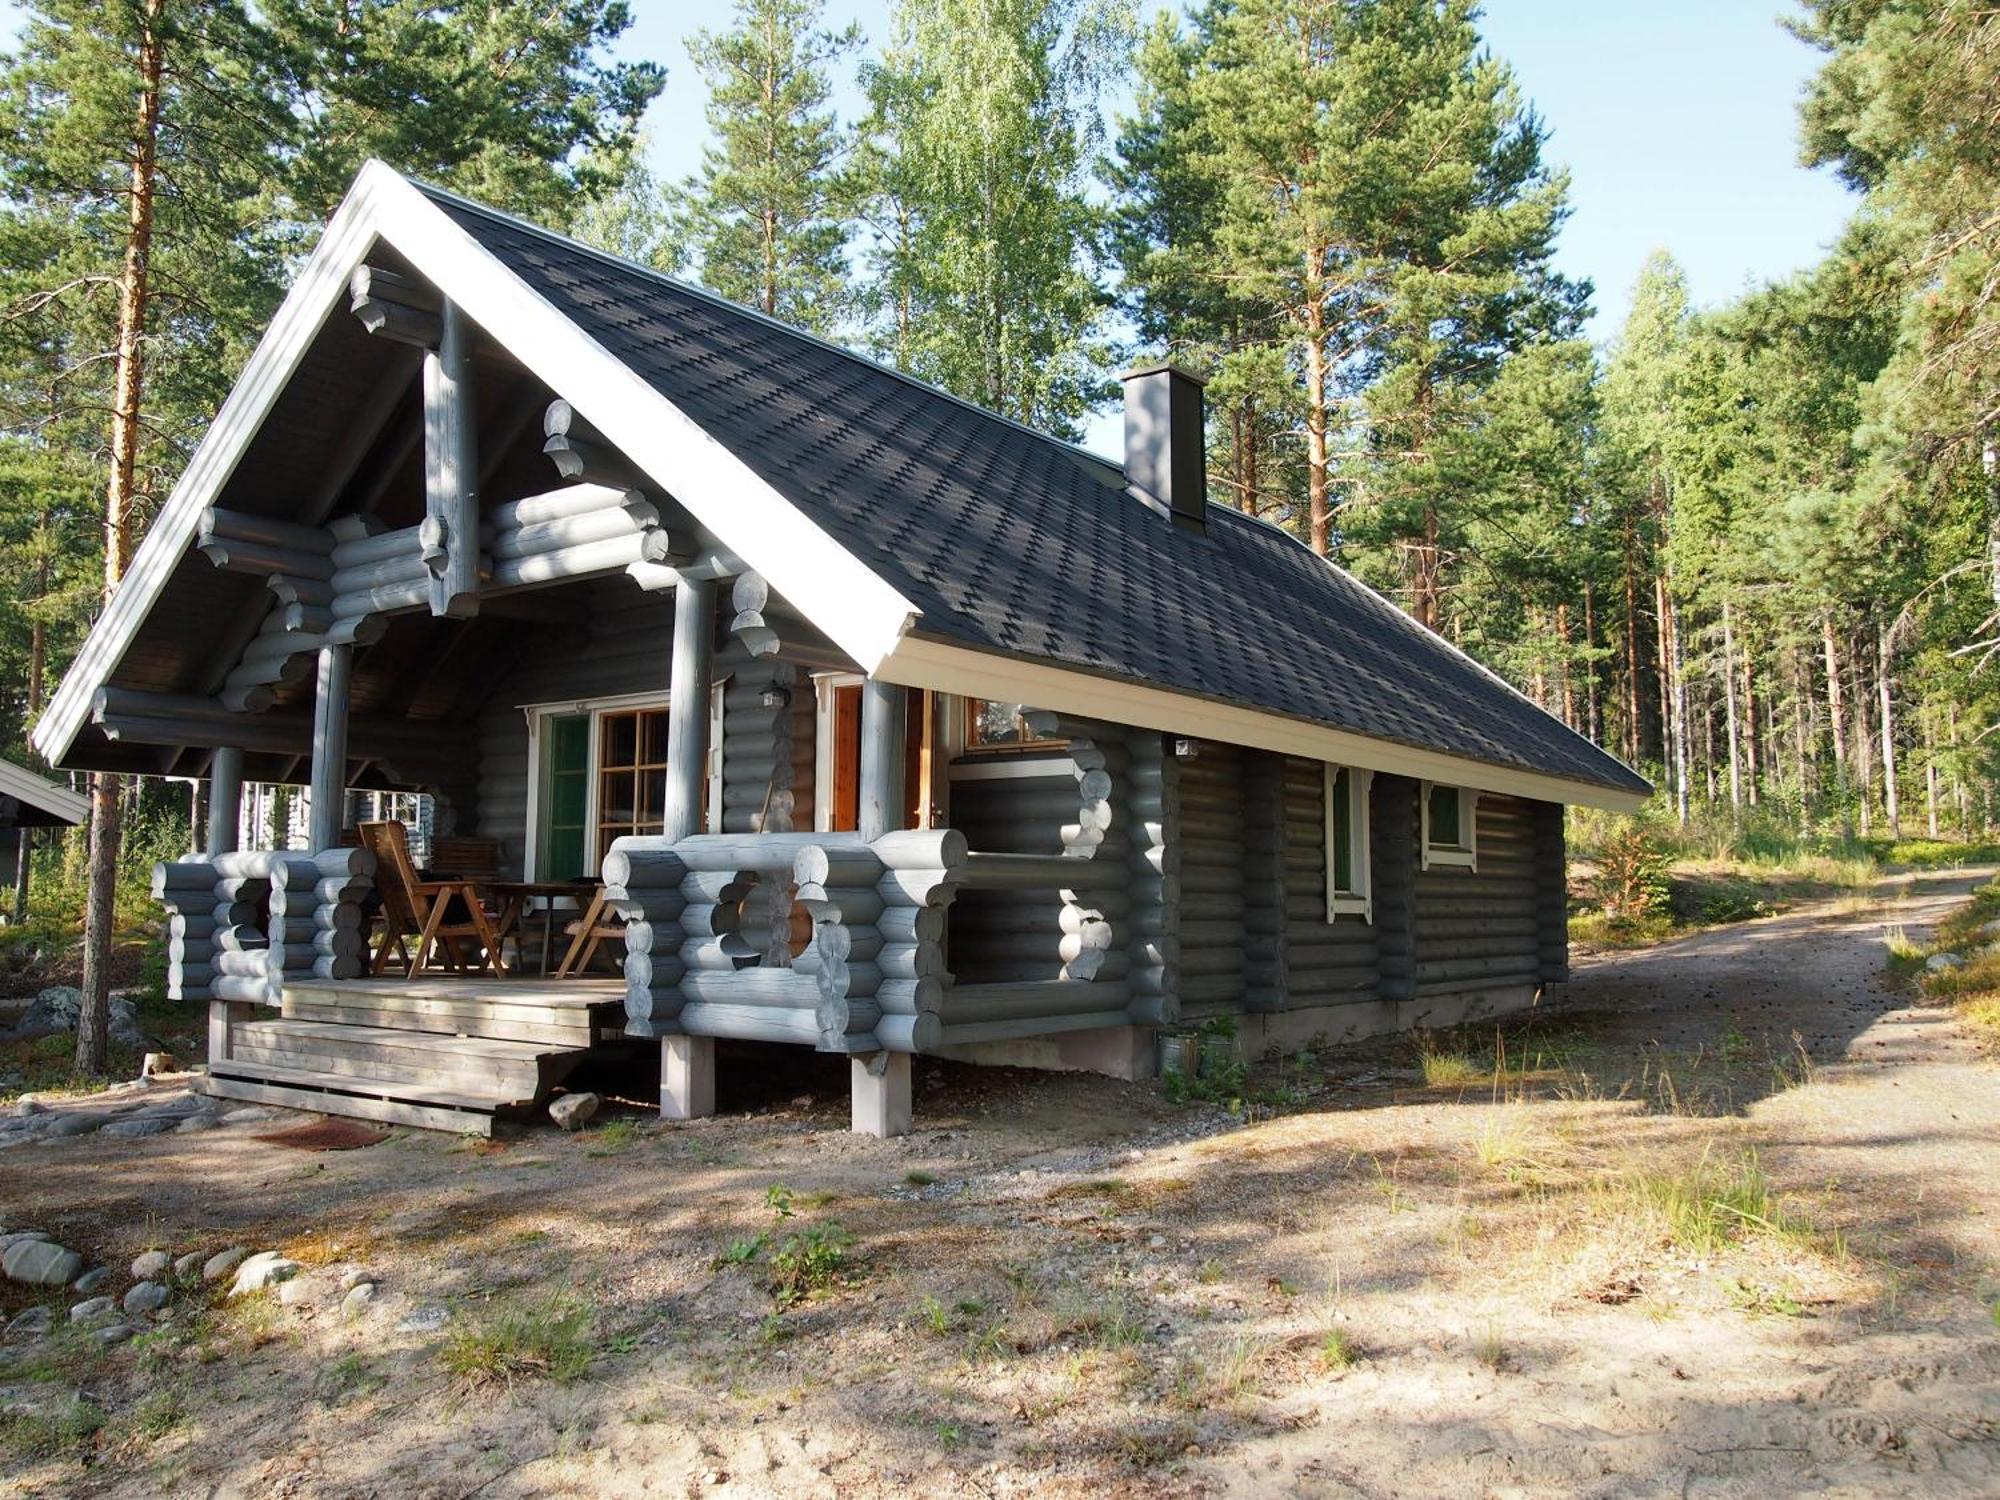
(320, 288)
(860, 611)
(919, 662)
(24, 785)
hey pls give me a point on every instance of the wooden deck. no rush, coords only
(445, 1054)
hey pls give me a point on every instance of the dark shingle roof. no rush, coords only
(1009, 541)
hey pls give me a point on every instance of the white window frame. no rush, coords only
(1361, 900)
(1461, 852)
(538, 715)
(824, 685)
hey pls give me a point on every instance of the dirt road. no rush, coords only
(1644, 1244)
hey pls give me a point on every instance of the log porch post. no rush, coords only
(879, 1082)
(450, 532)
(687, 1063)
(225, 799)
(329, 756)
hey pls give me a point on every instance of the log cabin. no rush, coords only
(885, 725)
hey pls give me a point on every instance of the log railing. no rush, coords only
(870, 980)
(240, 924)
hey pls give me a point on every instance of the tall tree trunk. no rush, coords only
(1753, 737)
(134, 284)
(1801, 759)
(1562, 665)
(1892, 801)
(1926, 717)
(1633, 749)
(1834, 715)
(1592, 697)
(1732, 723)
(1319, 513)
(1864, 745)
(1959, 801)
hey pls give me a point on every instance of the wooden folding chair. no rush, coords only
(443, 913)
(598, 925)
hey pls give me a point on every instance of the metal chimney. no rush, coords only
(1164, 459)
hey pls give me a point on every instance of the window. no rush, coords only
(631, 775)
(1450, 816)
(600, 774)
(1000, 726)
(1347, 882)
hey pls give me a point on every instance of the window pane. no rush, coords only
(1342, 853)
(1444, 817)
(619, 740)
(565, 778)
(653, 737)
(993, 723)
(614, 797)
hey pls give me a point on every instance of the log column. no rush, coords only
(880, 1081)
(687, 1063)
(225, 799)
(329, 757)
(450, 531)
(883, 706)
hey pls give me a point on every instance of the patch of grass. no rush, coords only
(919, 1179)
(1448, 1070)
(61, 1430)
(1489, 1347)
(935, 1316)
(612, 1137)
(550, 1337)
(1762, 1301)
(162, 1410)
(808, 1261)
(1210, 1271)
(353, 1374)
(1337, 1351)
(1708, 1206)
(1106, 1320)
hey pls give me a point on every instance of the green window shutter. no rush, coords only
(565, 796)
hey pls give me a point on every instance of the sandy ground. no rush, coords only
(1070, 1286)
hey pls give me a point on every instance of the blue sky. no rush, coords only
(1676, 121)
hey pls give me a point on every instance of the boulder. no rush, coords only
(41, 1263)
(140, 1126)
(1939, 963)
(30, 1323)
(96, 1310)
(195, 1123)
(150, 1265)
(222, 1263)
(82, 1122)
(265, 1268)
(55, 1009)
(354, 1276)
(425, 1320)
(571, 1111)
(90, 1283)
(188, 1266)
(147, 1296)
(28, 1105)
(249, 1114)
(360, 1297)
(117, 1333)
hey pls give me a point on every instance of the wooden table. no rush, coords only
(515, 896)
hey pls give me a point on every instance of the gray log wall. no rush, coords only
(1479, 930)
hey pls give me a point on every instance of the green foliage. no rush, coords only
(550, 1337)
(808, 1260)
(768, 213)
(1632, 878)
(985, 271)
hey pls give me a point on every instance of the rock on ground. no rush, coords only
(29, 1324)
(265, 1268)
(96, 1310)
(570, 1111)
(147, 1296)
(223, 1262)
(150, 1265)
(91, 1282)
(188, 1266)
(41, 1263)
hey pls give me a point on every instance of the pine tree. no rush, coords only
(768, 213)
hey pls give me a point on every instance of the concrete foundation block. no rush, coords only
(881, 1090)
(687, 1077)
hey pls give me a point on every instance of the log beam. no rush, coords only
(450, 531)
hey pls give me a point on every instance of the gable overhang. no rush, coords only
(860, 611)
(921, 661)
(40, 802)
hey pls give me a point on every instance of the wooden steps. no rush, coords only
(446, 1054)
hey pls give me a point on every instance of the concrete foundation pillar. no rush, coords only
(687, 1077)
(881, 1085)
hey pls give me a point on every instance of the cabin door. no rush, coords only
(840, 760)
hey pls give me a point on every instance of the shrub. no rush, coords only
(1632, 875)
